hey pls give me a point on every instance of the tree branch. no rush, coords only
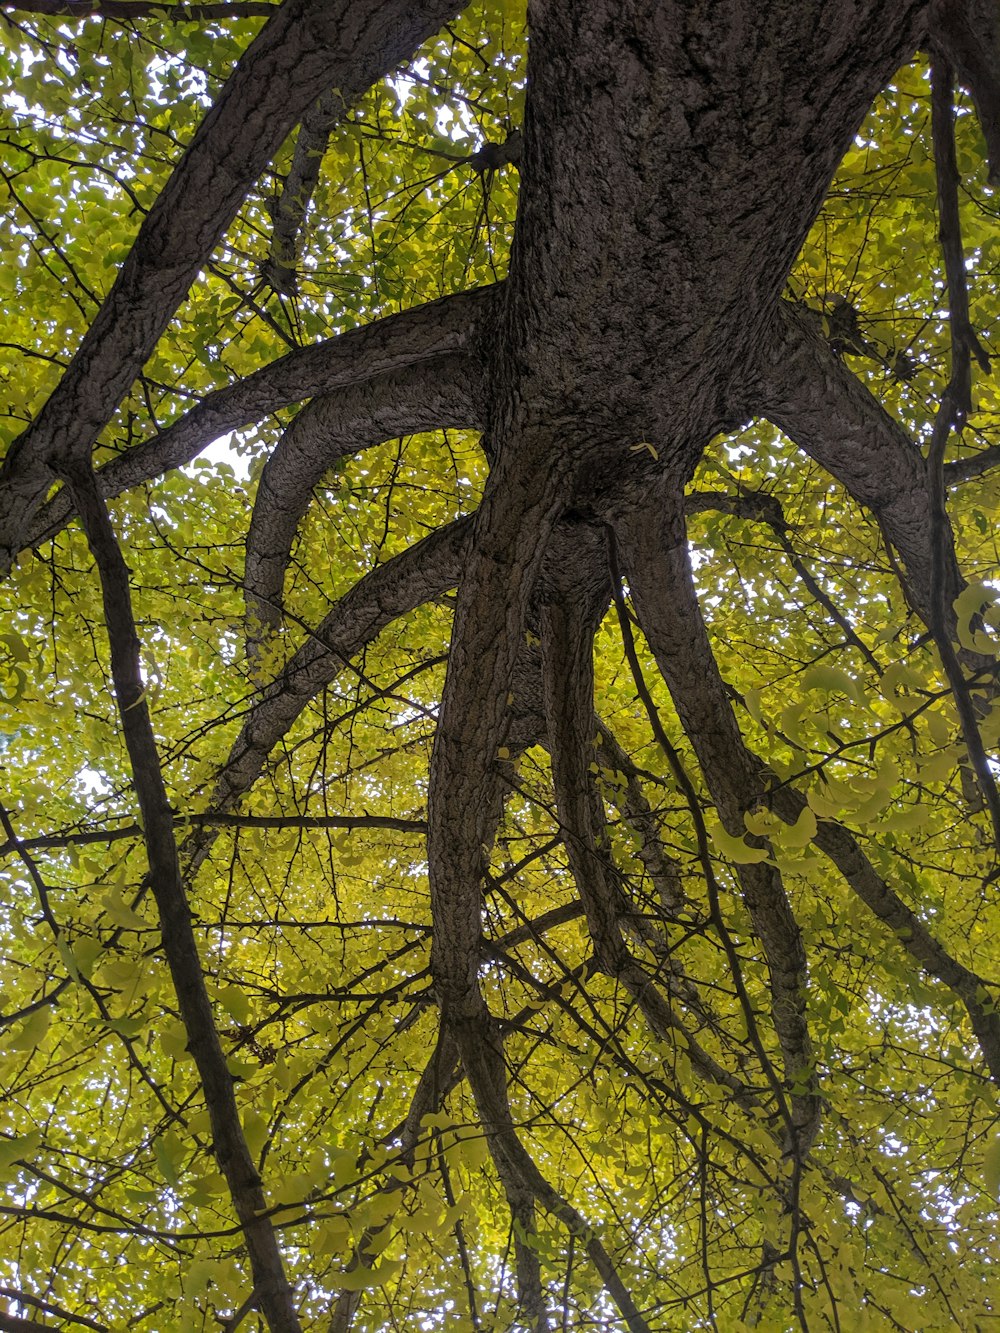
(844, 850)
(289, 208)
(955, 405)
(808, 392)
(408, 580)
(179, 945)
(833, 840)
(413, 338)
(88, 837)
(968, 32)
(434, 394)
(305, 47)
(659, 575)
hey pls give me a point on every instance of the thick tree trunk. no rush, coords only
(675, 154)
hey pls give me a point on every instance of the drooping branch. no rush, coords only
(567, 646)
(657, 566)
(179, 945)
(435, 394)
(438, 329)
(306, 47)
(832, 839)
(513, 525)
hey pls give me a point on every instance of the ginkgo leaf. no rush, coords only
(736, 849)
(13, 1150)
(363, 1279)
(30, 1034)
(118, 912)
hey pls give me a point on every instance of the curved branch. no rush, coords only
(305, 47)
(825, 409)
(435, 329)
(482, 1056)
(415, 576)
(434, 394)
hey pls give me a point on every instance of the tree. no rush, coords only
(511, 843)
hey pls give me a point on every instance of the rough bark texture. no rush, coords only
(435, 394)
(306, 45)
(674, 156)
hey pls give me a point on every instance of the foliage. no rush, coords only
(314, 933)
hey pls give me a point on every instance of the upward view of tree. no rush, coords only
(501, 617)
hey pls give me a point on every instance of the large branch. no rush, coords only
(720, 737)
(434, 394)
(415, 576)
(306, 47)
(809, 393)
(427, 332)
(513, 525)
(659, 574)
(968, 32)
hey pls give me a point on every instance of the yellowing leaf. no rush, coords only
(736, 849)
(170, 1152)
(174, 1040)
(832, 680)
(364, 1279)
(18, 1149)
(118, 911)
(802, 832)
(991, 1166)
(31, 1032)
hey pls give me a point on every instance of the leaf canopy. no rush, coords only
(307, 880)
